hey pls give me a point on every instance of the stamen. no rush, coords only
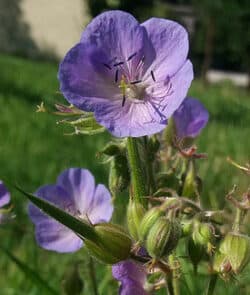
(116, 76)
(135, 82)
(118, 63)
(107, 66)
(141, 61)
(153, 75)
(131, 56)
(123, 100)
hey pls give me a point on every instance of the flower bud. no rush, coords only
(119, 176)
(186, 226)
(200, 242)
(192, 184)
(148, 221)
(162, 237)
(113, 243)
(233, 253)
(195, 252)
(135, 213)
(203, 235)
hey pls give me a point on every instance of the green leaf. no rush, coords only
(30, 273)
(80, 227)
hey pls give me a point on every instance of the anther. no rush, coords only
(118, 63)
(116, 76)
(123, 100)
(153, 75)
(135, 82)
(107, 66)
(131, 56)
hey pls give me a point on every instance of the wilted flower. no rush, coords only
(132, 277)
(76, 193)
(132, 76)
(4, 199)
(190, 118)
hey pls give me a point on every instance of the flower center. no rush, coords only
(127, 76)
(131, 89)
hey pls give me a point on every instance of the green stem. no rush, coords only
(169, 285)
(149, 167)
(92, 275)
(137, 173)
(175, 275)
(211, 284)
(239, 216)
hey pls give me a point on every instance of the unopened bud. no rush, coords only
(113, 243)
(195, 252)
(135, 213)
(154, 214)
(148, 221)
(203, 235)
(163, 237)
(233, 251)
(187, 226)
(192, 184)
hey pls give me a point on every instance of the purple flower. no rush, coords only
(132, 76)
(190, 118)
(76, 193)
(4, 195)
(132, 277)
(4, 199)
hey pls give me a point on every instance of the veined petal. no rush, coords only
(117, 32)
(175, 88)
(129, 270)
(170, 42)
(84, 79)
(101, 208)
(135, 118)
(50, 234)
(80, 186)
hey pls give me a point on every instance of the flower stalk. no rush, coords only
(175, 275)
(137, 173)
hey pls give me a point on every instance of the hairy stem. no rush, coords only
(239, 216)
(136, 170)
(175, 275)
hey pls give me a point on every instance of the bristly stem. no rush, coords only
(136, 170)
(211, 284)
(175, 275)
(92, 276)
(239, 216)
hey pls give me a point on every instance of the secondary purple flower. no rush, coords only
(4, 198)
(132, 76)
(132, 277)
(190, 118)
(76, 193)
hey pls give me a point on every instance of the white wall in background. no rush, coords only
(55, 25)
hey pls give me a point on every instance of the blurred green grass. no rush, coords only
(33, 151)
